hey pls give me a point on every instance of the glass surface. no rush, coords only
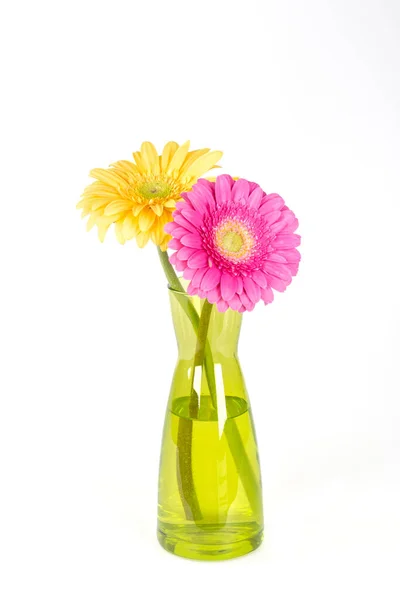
(210, 502)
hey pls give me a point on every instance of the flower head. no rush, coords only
(140, 196)
(234, 242)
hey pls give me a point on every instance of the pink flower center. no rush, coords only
(234, 240)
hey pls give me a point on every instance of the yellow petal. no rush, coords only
(167, 154)
(166, 217)
(192, 156)
(102, 230)
(99, 203)
(150, 158)
(164, 243)
(109, 176)
(203, 164)
(93, 219)
(117, 207)
(142, 238)
(118, 231)
(146, 219)
(178, 158)
(110, 196)
(126, 165)
(157, 208)
(170, 204)
(103, 223)
(81, 204)
(159, 227)
(98, 189)
(158, 234)
(139, 161)
(85, 212)
(129, 227)
(136, 208)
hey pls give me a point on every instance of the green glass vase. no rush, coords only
(210, 500)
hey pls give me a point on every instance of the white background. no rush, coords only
(303, 97)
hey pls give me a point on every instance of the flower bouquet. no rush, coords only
(233, 244)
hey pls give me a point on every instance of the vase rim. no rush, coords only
(173, 290)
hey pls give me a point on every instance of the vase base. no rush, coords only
(210, 542)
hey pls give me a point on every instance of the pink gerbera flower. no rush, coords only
(234, 242)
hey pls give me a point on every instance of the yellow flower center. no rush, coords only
(154, 189)
(234, 240)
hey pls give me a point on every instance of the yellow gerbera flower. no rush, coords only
(140, 197)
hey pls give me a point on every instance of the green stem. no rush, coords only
(187, 487)
(199, 357)
(203, 354)
(243, 464)
(193, 316)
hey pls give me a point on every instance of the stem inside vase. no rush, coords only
(185, 429)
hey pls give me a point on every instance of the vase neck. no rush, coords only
(223, 328)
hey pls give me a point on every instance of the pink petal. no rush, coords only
(277, 269)
(278, 226)
(240, 190)
(252, 289)
(223, 186)
(199, 276)
(235, 303)
(202, 201)
(180, 219)
(255, 198)
(267, 295)
(293, 268)
(211, 279)
(214, 295)
(258, 277)
(180, 265)
(286, 222)
(285, 241)
(189, 273)
(185, 252)
(291, 255)
(222, 306)
(202, 196)
(192, 240)
(197, 260)
(192, 216)
(173, 258)
(245, 299)
(239, 284)
(252, 186)
(277, 284)
(273, 202)
(192, 290)
(206, 184)
(228, 286)
(170, 227)
(178, 231)
(272, 217)
(291, 226)
(174, 244)
(276, 257)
